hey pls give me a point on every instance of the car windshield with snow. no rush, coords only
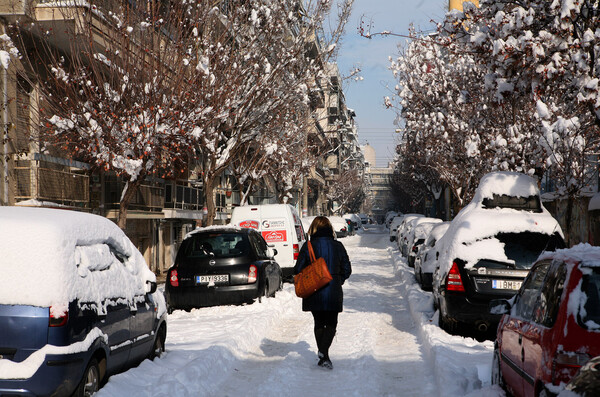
(489, 248)
(87, 308)
(222, 265)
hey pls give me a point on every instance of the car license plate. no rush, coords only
(506, 284)
(212, 279)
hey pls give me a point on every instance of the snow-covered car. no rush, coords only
(489, 248)
(403, 231)
(427, 255)
(77, 303)
(420, 228)
(340, 227)
(389, 216)
(394, 224)
(356, 221)
(222, 265)
(551, 328)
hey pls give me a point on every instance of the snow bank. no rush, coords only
(462, 365)
(51, 257)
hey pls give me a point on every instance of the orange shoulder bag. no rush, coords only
(312, 277)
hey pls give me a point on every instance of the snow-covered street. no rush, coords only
(388, 343)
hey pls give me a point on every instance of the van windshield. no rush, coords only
(215, 245)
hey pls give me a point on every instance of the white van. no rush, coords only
(279, 225)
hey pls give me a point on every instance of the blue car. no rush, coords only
(77, 303)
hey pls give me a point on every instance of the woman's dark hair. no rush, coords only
(322, 226)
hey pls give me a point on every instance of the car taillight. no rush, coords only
(296, 251)
(343, 229)
(58, 318)
(453, 281)
(252, 274)
(566, 364)
(173, 278)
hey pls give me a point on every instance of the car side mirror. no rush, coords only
(499, 306)
(151, 287)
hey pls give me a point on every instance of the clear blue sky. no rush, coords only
(376, 124)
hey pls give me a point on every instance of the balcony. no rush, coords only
(150, 196)
(52, 181)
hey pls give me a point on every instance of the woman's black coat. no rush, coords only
(330, 297)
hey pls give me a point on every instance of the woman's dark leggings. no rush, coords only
(325, 325)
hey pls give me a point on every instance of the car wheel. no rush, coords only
(497, 378)
(90, 383)
(159, 344)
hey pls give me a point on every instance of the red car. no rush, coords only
(552, 326)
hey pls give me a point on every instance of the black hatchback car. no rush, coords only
(221, 266)
(488, 249)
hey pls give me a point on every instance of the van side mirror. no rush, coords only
(499, 306)
(151, 287)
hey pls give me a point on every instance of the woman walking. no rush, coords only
(326, 303)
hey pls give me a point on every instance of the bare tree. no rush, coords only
(347, 190)
(253, 67)
(114, 86)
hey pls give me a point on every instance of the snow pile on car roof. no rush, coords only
(583, 252)
(504, 182)
(51, 257)
(470, 233)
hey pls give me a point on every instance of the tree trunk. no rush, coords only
(569, 219)
(129, 192)
(210, 201)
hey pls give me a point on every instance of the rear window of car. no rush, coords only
(589, 317)
(531, 203)
(524, 248)
(215, 245)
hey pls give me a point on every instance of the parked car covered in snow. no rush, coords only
(77, 303)
(551, 328)
(340, 227)
(356, 221)
(402, 232)
(420, 229)
(489, 248)
(394, 224)
(427, 256)
(222, 265)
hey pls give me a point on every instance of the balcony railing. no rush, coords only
(183, 197)
(53, 185)
(150, 196)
